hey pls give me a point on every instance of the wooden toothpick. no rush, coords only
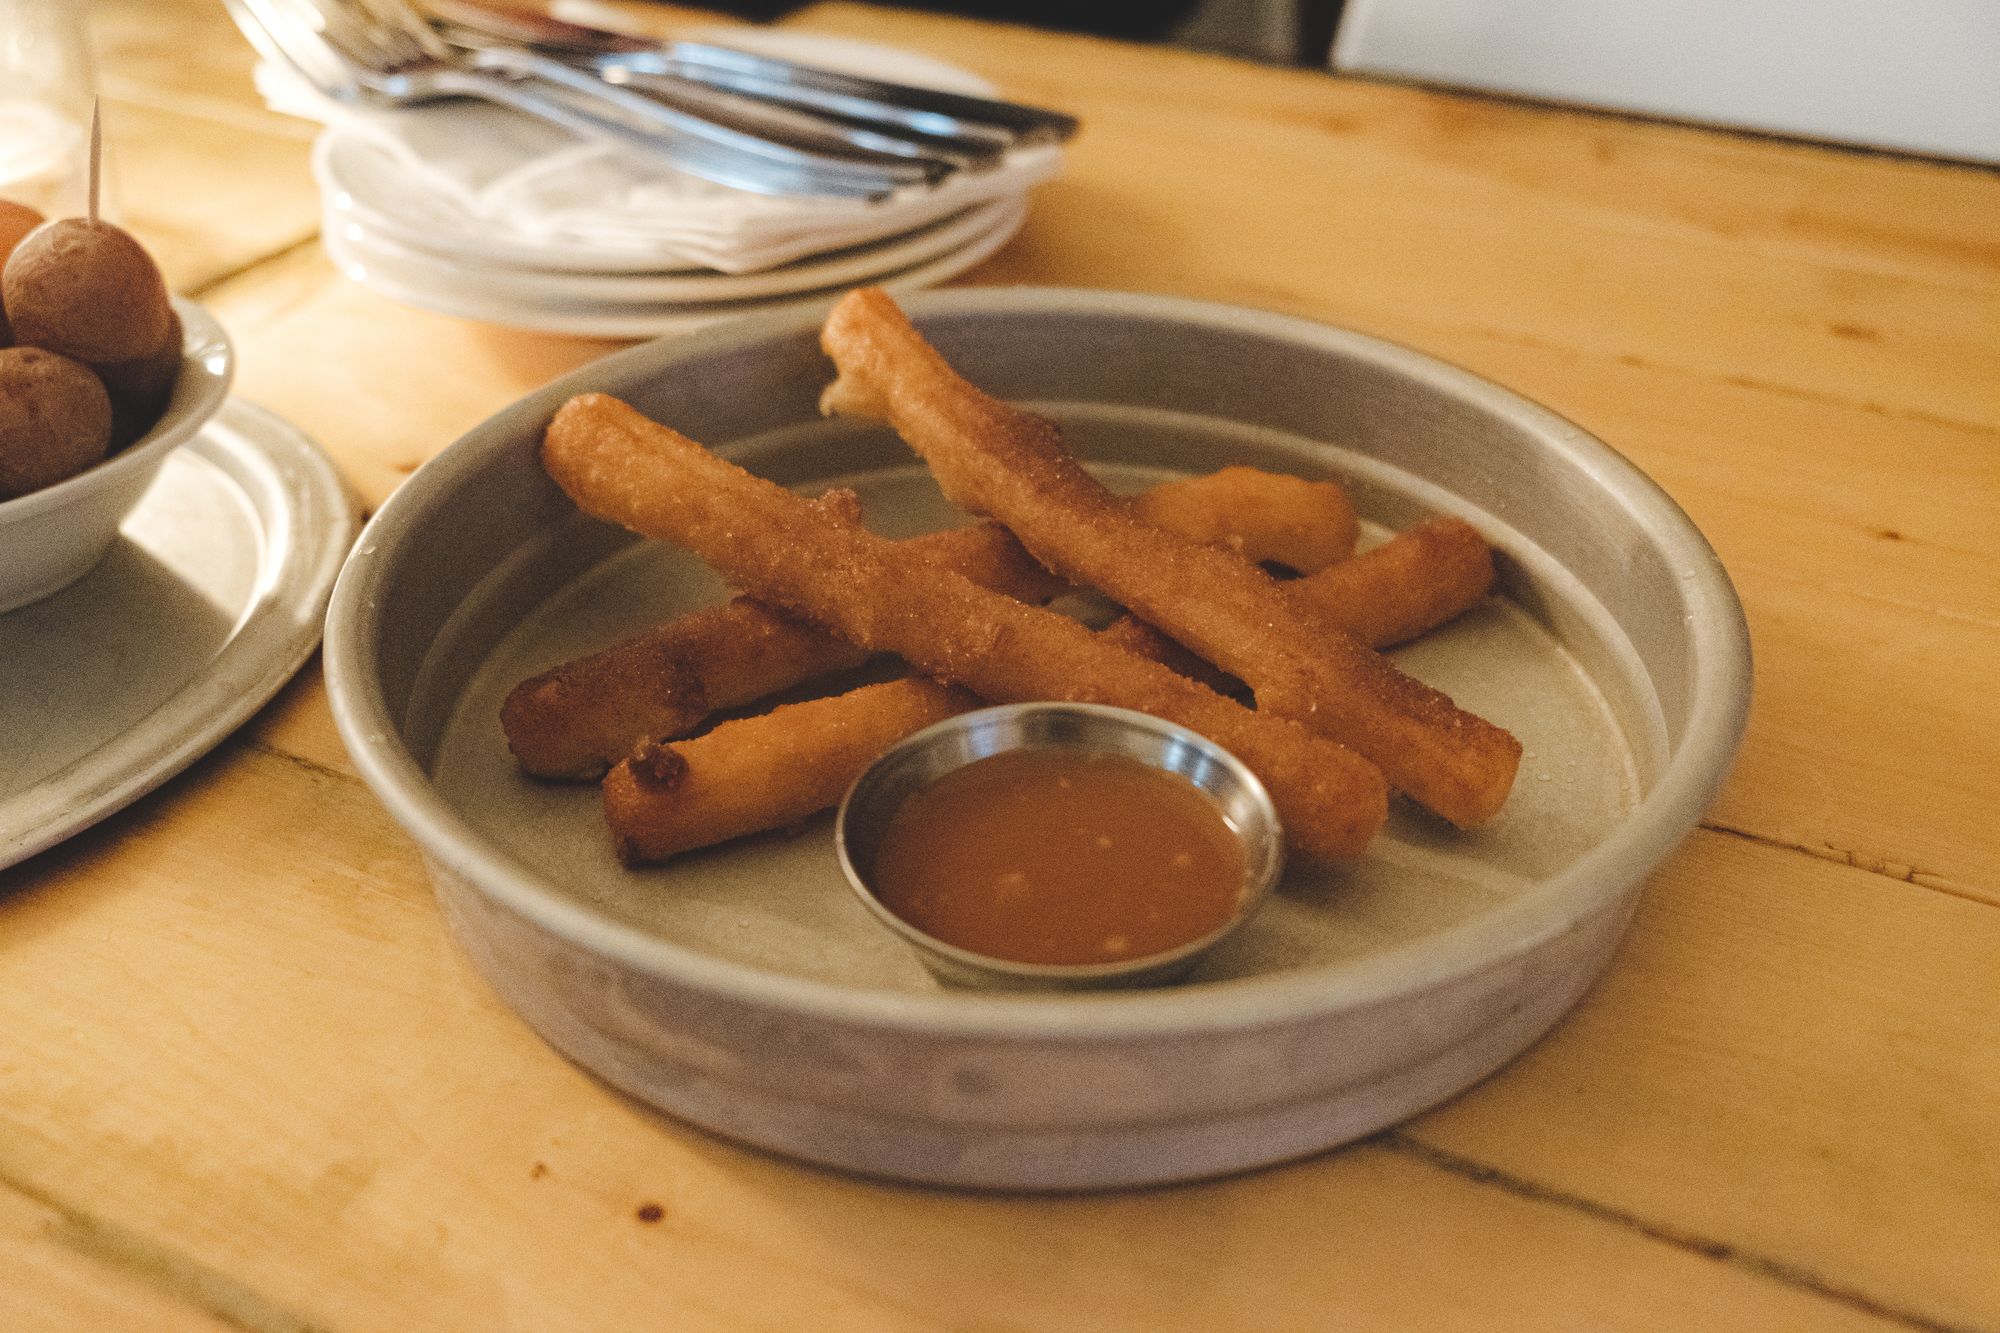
(96, 156)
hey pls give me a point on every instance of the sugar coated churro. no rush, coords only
(814, 560)
(998, 460)
(575, 719)
(773, 769)
(763, 772)
(1412, 583)
(583, 715)
(1263, 516)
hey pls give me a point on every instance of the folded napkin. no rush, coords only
(474, 178)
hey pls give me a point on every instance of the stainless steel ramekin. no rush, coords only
(929, 755)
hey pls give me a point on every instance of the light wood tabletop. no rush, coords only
(246, 1082)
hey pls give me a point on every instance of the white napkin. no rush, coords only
(473, 177)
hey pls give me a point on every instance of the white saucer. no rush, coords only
(625, 320)
(208, 602)
(429, 268)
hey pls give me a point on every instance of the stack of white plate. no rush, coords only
(484, 240)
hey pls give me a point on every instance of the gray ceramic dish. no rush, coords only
(744, 990)
(210, 599)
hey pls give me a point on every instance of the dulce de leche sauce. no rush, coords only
(1060, 856)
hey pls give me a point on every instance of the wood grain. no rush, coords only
(361, 1136)
(1790, 1058)
(60, 1272)
(248, 1083)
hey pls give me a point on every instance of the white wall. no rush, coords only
(1913, 75)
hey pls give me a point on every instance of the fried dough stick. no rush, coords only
(778, 768)
(1407, 586)
(997, 460)
(574, 720)
(815, 560)
(763, 772)
(1265, 517)
(1412, 583)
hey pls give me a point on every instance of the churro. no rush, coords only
(814, 560)
(763, 772)
(575, 719)
(1000, 461)
(1412, 583)
(1265, 517)
(1389, 594)
(773, 769)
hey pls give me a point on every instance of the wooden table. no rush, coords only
(247, 1083)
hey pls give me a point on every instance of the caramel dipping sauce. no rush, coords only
(1059, 846)
(1061, 855)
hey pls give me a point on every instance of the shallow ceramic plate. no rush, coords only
(449, 273)
(494, 303)
(208, 601)
(444, 272)
(744, 989)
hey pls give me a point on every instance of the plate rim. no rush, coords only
(848, 264)
(1597, 880)
(670, 319)
(277, 628)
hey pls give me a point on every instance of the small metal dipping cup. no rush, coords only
(922, 759)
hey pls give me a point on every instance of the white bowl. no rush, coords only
(52, 537)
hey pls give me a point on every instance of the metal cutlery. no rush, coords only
(382, 53)
(789, 122)
(926, 115)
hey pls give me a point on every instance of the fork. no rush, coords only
(925, 115)
(795, 125)
(493, 33)
(387, 55)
